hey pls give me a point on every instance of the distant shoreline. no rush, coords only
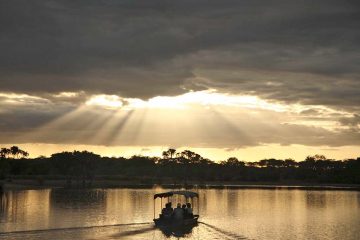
(36, 182)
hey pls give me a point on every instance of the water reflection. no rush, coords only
(24, 207)
(316, 200)
(224, 213)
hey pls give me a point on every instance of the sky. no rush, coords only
(250, 79)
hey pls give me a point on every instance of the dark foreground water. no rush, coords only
(225, 214)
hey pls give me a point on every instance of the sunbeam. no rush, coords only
(115, 127)
(60, 128)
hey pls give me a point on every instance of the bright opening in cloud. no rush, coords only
(67, 94)
(184, 101)
(107, 101)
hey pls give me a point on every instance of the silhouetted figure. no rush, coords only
(189, 211)
(178, 213)
(163, 211)
(167, 212)
(184, 210)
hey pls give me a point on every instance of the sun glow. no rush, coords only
(107, 101)
(185, 101)
(68, 94)
(204, 98)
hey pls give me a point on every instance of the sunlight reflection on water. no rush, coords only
(225, 214)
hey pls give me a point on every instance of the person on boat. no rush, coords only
(163, 212)
(178, 213)
(184, 210)
(167, 211)
(170, 206)
(189, 210)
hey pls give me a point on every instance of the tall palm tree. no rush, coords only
(172, 152)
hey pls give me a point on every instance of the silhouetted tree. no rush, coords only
(290, 163)
(171, 152)
(233, 161)
(5, 152)
(165, 154)
(4, 164)
(16, 151)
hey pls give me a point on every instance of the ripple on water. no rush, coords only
(122, 231)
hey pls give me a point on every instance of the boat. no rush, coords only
(188, 221)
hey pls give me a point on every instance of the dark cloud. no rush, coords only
(351, 121)
(148, 48)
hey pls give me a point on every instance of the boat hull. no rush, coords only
(185, 222)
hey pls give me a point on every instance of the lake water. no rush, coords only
(224, 214)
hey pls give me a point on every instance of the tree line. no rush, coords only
(184, 166)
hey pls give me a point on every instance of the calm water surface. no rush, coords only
(225, 214)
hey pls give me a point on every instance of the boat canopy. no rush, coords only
(186, 194)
